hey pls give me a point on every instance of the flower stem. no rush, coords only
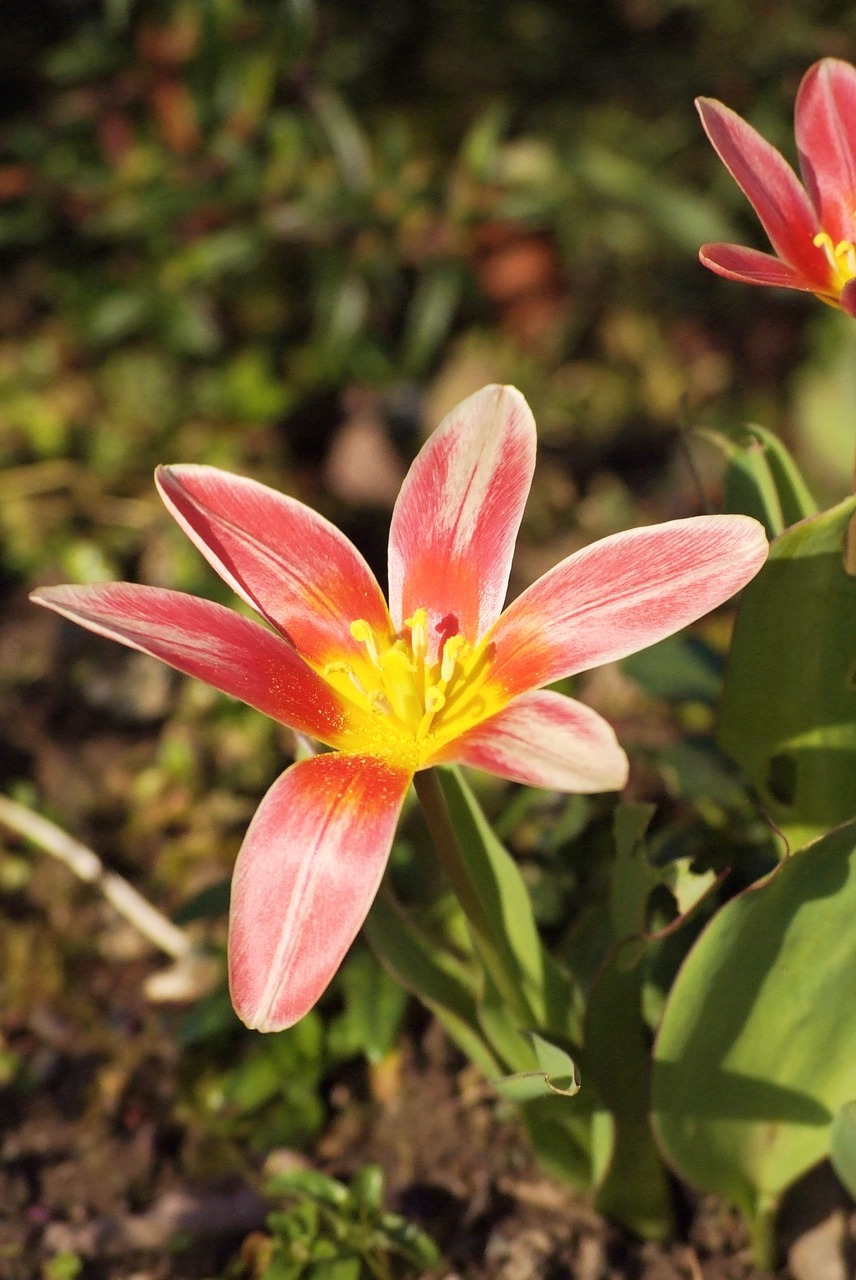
(487, 937)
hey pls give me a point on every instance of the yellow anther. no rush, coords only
(454, 650)
(398, 684)
(841, 257)
(435, 700)
(336, 668)
(363, 634)
(378, 702)
(418, 625)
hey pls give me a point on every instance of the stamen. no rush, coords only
(363, 634)
(379, 702)
(335, 668)
(399, 686)
(841, 257)
(418, 625)
(434, 700)
(421, 698)
(454, 650)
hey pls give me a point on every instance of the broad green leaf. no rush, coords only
(560, 1130)
(788, 713)
(757, 1047)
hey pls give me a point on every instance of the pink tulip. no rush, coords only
(440, 674)
(811, 227)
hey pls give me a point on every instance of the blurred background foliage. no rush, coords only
(284, 237)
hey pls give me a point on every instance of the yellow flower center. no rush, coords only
(420, 704)
(841, 258)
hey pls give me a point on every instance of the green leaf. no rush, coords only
(679, 668)
(308, 1183)
(433, 975)
(842, 1145)
(505, 932)
(755, 1053)
(336, 1269)
(632, 1185)
(632, 877)
(560, 1130)
(374, 1008)
(788, 713)
(557, 1073)
(429, 316)
(762, 479)
(367, 1188)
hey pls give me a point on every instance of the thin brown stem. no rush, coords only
(145, 918)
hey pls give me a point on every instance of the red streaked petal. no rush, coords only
(458, 512)
(546, 740)
(753, 267)
(771, 186)
(293, 566)
(306, 875)
(825, 114)
(622, 594)
(201, 639)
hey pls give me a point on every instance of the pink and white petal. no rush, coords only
(622, 594)
(306, 875)
(201, 639)
(751, 266)
(772, 188)
(546, 740)
(825, 112)
(296, 568)
(456, 519)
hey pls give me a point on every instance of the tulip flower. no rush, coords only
(812, 228)
(438, 675)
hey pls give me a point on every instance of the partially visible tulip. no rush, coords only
(812, 227)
